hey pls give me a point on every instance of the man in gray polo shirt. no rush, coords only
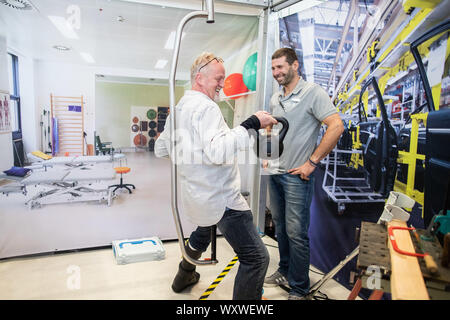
(291, 184)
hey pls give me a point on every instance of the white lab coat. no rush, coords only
(206, 158)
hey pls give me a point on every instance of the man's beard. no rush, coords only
(287, 78)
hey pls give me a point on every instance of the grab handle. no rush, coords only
(209, 14)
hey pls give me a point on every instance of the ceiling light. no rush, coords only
(87, 57)
(170, 43)
(61, 48)
(63, 27)
(17, 4)
(120, 19)
(160, 64)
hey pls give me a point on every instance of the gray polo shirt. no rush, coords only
(305, 108)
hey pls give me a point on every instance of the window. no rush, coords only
(13, 72)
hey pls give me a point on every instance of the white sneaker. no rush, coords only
(276, 279)
(294, 297)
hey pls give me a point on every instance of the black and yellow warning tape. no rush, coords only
(219, 278)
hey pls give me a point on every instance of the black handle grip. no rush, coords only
(285, 129)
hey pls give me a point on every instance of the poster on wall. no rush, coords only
(5, 114)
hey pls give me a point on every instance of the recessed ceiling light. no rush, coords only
(160, 64)
(17, 4)
(61, 48)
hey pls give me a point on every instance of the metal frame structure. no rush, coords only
(209, 15)
(353, 193)
(266, 45)
(414, 49)
(258, 194)
(341, 194)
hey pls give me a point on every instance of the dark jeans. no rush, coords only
(238, 229)
(290, 199)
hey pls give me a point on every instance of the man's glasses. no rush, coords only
(219, 60)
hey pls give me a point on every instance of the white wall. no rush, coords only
(7, 157)
(66, 80)
(76, 80)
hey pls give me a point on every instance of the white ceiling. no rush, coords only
(137, 42)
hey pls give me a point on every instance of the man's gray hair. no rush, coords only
(199, 62)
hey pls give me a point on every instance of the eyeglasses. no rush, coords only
(219, 60)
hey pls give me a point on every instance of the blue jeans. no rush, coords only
(290, 200)
(238, 229)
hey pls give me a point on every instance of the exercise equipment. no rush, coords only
(69, 127)
(103, 147)
(152, 133)
(140, 140)
(249, 72)
(234, 85)
(151, 114)
(151, 145)
(144, 125)
(209, 15)
(270, 146)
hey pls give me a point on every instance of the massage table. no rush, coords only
(65, 186)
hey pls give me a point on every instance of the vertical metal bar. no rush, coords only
(258, 192)
(173, 151)
(210, 10)
(213, 242)
(334, 171)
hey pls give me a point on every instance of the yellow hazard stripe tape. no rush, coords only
(219, 278)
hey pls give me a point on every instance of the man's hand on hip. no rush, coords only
(303, 171)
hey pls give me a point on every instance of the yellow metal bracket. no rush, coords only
(410, 158)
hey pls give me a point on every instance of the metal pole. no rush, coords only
(209, 14)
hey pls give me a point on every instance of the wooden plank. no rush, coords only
(65, 97)
(406, 277)
(70, 123)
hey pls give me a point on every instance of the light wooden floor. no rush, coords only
(94, 275)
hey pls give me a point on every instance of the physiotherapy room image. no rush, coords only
(86, 206)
